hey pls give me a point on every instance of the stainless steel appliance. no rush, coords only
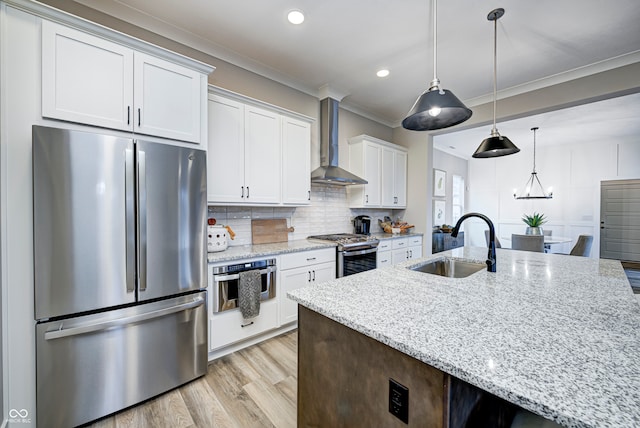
(362, 225)
(354, 253)
(225, 281)
(329, 171)
(120, 272)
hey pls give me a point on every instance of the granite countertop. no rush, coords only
(242, 252)
(557, 335)
(382, 235)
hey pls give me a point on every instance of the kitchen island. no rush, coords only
(556, 335)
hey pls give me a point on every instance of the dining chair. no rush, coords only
(583, 246)
(527, 242)
(497, 241)
(547, 247)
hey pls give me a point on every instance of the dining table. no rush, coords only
(549, 240)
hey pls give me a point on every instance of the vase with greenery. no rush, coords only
(534, 223)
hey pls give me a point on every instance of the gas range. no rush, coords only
(348, 241)
(354, 254)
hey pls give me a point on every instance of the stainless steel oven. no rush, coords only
(227, 278)
(354, 253)
(356, 260)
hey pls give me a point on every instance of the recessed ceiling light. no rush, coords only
(295, 17)
(382, 73)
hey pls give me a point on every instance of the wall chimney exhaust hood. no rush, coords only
(329, 172)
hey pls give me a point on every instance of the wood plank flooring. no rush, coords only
(633, 274)
(254, 387)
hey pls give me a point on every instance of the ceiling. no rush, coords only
(608, 121)
(342, 44)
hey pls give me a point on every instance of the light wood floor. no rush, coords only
(254, 387)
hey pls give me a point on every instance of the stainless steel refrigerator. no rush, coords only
(120, 272)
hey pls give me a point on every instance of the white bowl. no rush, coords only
(395, 230)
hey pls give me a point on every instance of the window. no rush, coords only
(457, 198)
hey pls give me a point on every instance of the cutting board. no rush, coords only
(270, 230)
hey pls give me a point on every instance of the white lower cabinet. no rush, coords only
(383, 257)
(229, 327)
(299, 270)
(398, 250)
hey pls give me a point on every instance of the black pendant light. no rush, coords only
(533, 189)
(436, 108)
(496, 145)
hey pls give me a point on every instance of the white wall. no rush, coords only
(451, 165)
(574, 171)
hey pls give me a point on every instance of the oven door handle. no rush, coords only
(360, 252)
(221, 278)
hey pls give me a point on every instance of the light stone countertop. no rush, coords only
(242, 252)
(382, 235)
(557, 335)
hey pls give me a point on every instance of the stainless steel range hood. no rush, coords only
(329, 172)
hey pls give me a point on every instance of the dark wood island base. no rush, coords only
(343, 379)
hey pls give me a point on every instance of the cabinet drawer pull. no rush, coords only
(367, 199)
(247, 192)
(314, 275)
(309, 279)
(246, 325)
(309, 197)
(242, 196)
(139, 118)
(310, 259)
(128, 115)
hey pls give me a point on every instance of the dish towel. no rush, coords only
(249, 288)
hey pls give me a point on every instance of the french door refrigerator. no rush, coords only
(120, 272)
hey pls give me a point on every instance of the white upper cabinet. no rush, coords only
(296, 162)
(399, 179)
(384, 166)
(262, 156)
(86, 79)
(387, 176)
(166, 98)
(91, 80)
(243, 159)
(225, 153)
(365, 162)
(257, 155)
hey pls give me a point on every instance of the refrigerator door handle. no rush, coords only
(130, 226)
(90, 328)
(142, 221)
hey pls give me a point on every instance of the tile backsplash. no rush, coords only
(329, 212)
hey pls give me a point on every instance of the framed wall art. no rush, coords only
(439, 213)
(439, 183)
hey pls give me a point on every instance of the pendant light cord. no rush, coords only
(495, 73)
(435, 83)
(534, 151)
(435, 39)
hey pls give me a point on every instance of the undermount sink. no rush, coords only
(450, 267)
